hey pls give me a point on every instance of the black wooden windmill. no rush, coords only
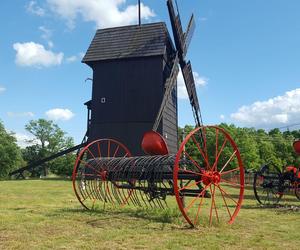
(135, 71)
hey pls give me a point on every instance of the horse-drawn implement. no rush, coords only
(206, 187)
(271, 183)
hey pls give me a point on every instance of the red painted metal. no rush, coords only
(296, 146)
(84, 194)
(154, 144)
(294, 170)
(215, 177)
(208, 187)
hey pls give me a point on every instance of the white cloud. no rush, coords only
(75, 58)
(105, 13)
(19, 115)
(222, 117)
(60, 114)
(181, 89)
(34, 54)
(24, 140)
(71, 59)
(277, 111)
(33, 8)
(2, 89)
(46, 35)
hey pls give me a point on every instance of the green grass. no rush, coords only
(42, 214)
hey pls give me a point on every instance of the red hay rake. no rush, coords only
(208, 187)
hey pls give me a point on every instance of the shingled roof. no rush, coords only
(128, 41)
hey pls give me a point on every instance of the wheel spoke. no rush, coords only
(218, 156)
(216, 152)
(191, 172)
(229, 160)
(108, 148)
(115, 153)
(195, 163)
(87, 164)
(200, 150)
(190, 185)
(199, 207)
(195, 198)
(213, 205)
(230, 171)
(231, 183)
(99, 151)
(205, 145)
(226, 194)
(227, 208)
(91, 153)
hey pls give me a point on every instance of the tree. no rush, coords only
(10, 154)
(48, 140)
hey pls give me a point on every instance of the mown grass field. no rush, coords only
(43, 214)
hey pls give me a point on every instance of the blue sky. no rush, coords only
(245, 55)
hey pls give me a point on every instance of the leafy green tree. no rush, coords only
(10, 154)
(48, 140)
(248, 148)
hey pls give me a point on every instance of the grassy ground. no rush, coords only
(42, 214)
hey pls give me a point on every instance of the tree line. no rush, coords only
(47, 139)
(257, 147)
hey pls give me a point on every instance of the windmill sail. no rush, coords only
(170, 83)
(177, 29)
(182, 42)
(189, 80)
(189, 32)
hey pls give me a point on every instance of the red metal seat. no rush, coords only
(154, 144)
(296, 146)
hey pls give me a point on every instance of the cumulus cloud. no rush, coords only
(34, 54)
(181, 89)
(33, 8)
(20, 114)
(59, 114)
(2, 89)
(275, 112)
(105, 13)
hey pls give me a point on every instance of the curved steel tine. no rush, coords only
(138, 184)
(134, 168)
(111, 165)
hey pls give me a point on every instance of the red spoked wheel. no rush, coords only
(208, 177)
(90, 182)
